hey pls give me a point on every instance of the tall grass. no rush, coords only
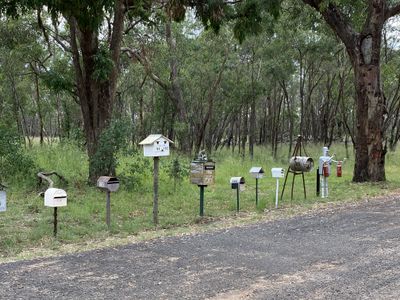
(27, 222)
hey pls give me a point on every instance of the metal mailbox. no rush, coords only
(301, 164)
(278, 172)
(55, 197)
(257, 172)
(237, 183)
(202, 173)
(108, 183)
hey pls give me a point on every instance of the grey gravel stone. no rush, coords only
(350, 252)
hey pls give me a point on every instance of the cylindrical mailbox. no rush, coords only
(339, 169)
(301, 164)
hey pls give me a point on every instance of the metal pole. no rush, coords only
(237, 198)
(55, 222)
(277, 193)
(256, 191)
(108, 208)
(304, 185)
(291, 192)
(201, 200)
(155, 189)
(318, 183)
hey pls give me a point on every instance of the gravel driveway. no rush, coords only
(350, 252)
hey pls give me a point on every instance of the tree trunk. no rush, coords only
(39, 108)
(96, 95)
(370, 103)
(364, 49)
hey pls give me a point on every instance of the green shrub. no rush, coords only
(113, 139)
(14, 162)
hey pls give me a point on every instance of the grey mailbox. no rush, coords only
(237, 183)
(257, 172)
(108, 183)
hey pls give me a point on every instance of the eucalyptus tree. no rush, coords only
(359, 25)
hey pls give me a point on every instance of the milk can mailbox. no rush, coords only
(202, 172)
(301, 164)
(55, 197)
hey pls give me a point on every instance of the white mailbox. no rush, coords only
(3, 201)
(257, 172)
(156, 145)
(108, 183)
(278, 172)
(55, 197)
(238, 182)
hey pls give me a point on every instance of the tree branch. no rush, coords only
(144, 62)
(336, 20)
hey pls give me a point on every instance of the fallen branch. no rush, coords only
(45, 176)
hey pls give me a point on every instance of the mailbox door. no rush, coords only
(209, 173)
(196, 173)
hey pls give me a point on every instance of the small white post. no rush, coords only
(277, 193)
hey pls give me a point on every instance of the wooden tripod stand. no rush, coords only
(296, 152)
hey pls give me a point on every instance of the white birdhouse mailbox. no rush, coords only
(3, 201)
(237, 183)
(55, 197)
(257, 172)
(156, 145)
(108, 183)
(277, 172)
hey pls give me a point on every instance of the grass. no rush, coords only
(26, 227)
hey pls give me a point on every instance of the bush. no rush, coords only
(113, 139)
(14, 162)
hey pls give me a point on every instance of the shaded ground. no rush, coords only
(352, 252)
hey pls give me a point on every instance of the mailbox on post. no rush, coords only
(237, 183)
(202, 173)
(277, 173)
(55, 197)
(108, 184)
(156, 145)
(257, 173)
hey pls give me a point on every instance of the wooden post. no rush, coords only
(155, 189)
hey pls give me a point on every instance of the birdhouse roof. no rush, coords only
(256, 170)
(152, 138)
